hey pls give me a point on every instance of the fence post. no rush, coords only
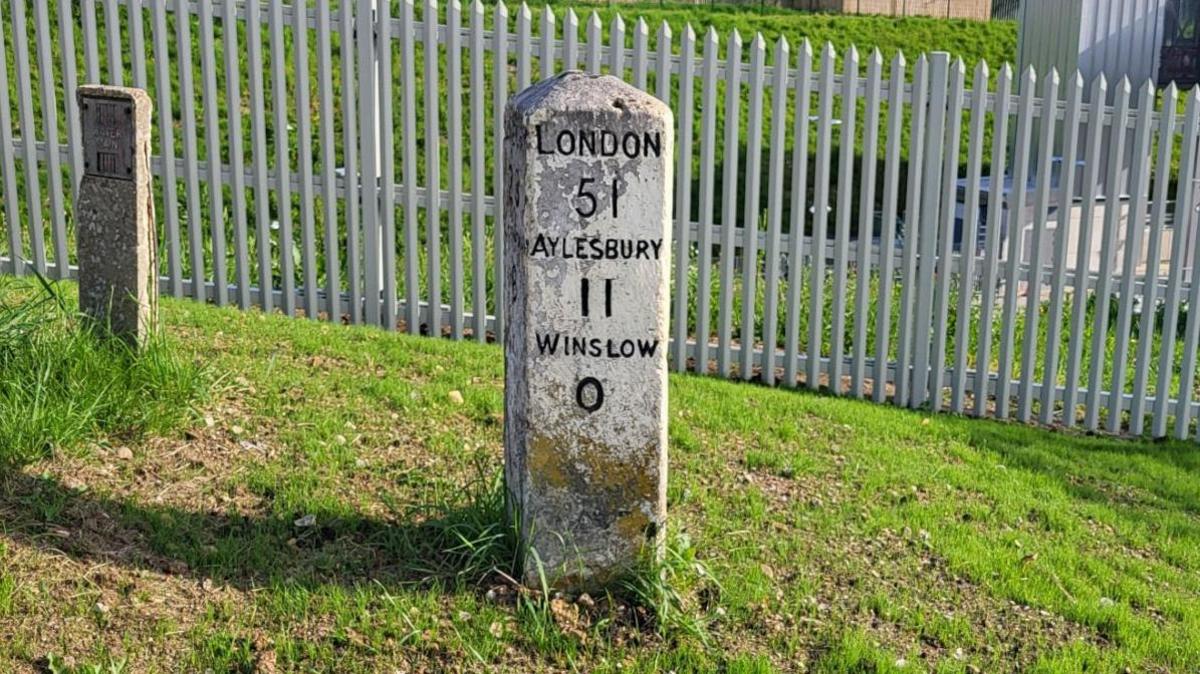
(433, 164)
(369, 134)
(925, 230)
(8, 168)
(1192, 223)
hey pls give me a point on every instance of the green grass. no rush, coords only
(973, 41)
(101, 665)
(806, 531)
(61, 383)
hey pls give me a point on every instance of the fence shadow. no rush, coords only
(1136, 478)
(449, 545)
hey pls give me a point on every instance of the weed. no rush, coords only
(661, 586)
(107, 664)
(61, 383)
(463, 538)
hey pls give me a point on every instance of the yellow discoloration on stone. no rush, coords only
(544, 464)
(553, 463)
(633, 526)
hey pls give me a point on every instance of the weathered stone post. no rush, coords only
(115, 236)
(587, 183)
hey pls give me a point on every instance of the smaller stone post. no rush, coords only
(115, 233)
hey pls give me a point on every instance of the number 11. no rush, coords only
(584, 287)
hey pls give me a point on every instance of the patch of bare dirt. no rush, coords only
(76, 606)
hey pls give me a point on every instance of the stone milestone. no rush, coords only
(587, 235)
(115, 235)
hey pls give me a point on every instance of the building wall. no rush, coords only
(1116, 38)
(1121, 39)
(960, 9)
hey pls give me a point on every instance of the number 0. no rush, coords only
(592, 383)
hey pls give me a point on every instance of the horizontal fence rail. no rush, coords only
(898, 229)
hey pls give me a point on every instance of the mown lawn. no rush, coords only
(329, 506)
(973, 41)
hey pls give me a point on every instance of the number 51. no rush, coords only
(590, 197)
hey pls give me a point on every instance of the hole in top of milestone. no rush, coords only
(619, 104)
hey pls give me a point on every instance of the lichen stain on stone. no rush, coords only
(632, 526)
(590, 468)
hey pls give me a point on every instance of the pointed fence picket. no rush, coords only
(349, 169)
(237, 159)
(433, 162)
(1033, 289)
(945, 239)
(8, 167)
(595, 44)
(1150, 294)
(546, 41)
(385, 158)
(908, 270)
(616, 50)
(866, 223)
(773, 249)
(70, 81)
(50, 106)
(258, 131)
(112, 23)
(708, 142)
(1134, 223)
(1070, 134)
(137, 40)
(1184, 201)
(845, 194)
(191, 158)
(641, 38)
(412, 227)
(733, 108)
(817, 241)
(751, 209)
(304, 162)
(478, 170)
(454, 114)
(816, 287)
(991, 256)
(924, 235)
(328, 145)
(1108, 252)
(213, 141)
(1078, 335)
(1012, 260)
(969, 241)
(570, 41)
(799, 203)
(683, 194)
(24, 94)
(887, 234)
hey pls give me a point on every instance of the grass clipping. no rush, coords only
(62, 384)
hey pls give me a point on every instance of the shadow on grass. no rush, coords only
(451, 545)
(1130, 474)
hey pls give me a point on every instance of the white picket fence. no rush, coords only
(852, 228)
